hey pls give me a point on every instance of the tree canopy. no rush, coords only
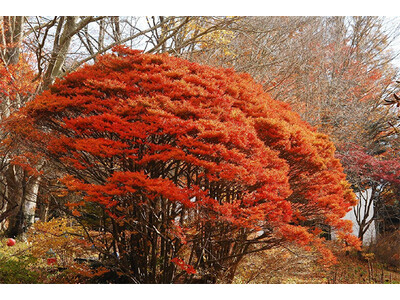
(185, 168)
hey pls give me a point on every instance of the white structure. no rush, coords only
(360, 210)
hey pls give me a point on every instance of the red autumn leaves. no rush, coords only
(152, 136)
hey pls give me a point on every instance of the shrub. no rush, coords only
(387, 249)
(17, 265)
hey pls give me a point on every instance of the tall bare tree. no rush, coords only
(334, 71)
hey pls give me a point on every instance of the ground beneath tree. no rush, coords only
(296, 266)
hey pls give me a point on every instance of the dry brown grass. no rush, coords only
(295, 265)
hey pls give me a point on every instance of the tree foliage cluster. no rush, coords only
(338, 74)
(375, 179)
(184, 164)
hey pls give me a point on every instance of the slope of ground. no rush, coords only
(294, 265)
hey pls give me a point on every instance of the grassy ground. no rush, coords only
(277, 266)
(288, 266)
(18, 265)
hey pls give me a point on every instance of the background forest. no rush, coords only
(232, 180)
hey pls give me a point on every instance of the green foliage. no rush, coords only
(17, 267)
(27, 264)
(17, 271)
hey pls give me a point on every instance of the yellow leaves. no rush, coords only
(58, 234)
(201, 27)
(368, 256)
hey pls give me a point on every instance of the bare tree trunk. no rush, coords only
(29, 206)
(19, 190)
(15, 195)
(62, 41)
(22, 194)
(11, 38)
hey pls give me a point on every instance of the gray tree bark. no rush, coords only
(20, 192)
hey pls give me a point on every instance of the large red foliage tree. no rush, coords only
(186, 168)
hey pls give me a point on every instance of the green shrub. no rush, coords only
(17, 270)
(17, 265)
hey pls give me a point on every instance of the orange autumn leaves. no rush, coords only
(17, 79)
(197, 144)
